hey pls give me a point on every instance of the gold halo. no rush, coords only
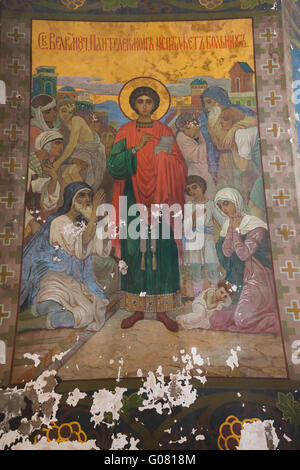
(160, 88)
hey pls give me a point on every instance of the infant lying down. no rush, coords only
(211, 299)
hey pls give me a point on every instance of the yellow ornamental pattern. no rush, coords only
(73, 4)
(211, 4)
(65, 432)
(230, 432)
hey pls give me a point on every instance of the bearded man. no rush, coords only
(219, 141)
(59, 288)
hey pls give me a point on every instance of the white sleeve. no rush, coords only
(49, 201)
(245, 139)
(69, 237)
(198, 318)
(38, 184)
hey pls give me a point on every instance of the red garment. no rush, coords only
(159, 179)
(34, 132)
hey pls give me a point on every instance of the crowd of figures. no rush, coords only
(64, 148)
(222, 152)
(75, 164)
(68, 275)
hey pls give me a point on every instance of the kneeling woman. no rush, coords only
(244, 252)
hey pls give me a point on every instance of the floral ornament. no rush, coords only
(230, 432)
(65, 432)
(211, 4)
(290, 407)
(73, 4)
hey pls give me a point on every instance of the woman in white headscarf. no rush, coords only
(244, 252)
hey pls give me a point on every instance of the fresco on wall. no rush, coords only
(295, 53)
(146, 234)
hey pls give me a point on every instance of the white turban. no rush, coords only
(37, 112)
(45, 137)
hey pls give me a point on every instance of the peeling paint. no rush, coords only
(105, 401)
(123, 267)
(34, 357)
(198, 437)
(43, 444)
(120, 441)
(232, 361)
(36, 405)
(58, 357)
(28, 409)
(180, 441)
(191, 361)
(121, 363)
(162, 395)
(75, 396)
(258, 435)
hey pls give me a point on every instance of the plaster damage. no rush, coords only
(75, 396)
(43, 444)
(259, 435)
(58, 357)
(105, 401)
(34, 357)
(163, 396)
(120, 441)
(232, 361)
(29, 409)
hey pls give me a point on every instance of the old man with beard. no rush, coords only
(59, 288)
(219, 141)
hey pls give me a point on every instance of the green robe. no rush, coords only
(151, 281)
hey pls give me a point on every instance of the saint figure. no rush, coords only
(149, 169)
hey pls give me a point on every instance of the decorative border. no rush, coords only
(15, 64)
(137, 7)
(279, 177)
(277, 162)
